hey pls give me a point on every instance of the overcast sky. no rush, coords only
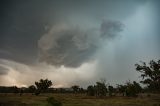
(76, 41)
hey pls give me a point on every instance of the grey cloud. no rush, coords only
(71, 47)
(3, 70)
(23, 22)
(109, 29)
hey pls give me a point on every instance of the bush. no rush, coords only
(52, 102)
(133, 89)
(37, 92)
(90, 91)
(100, 89)
(111, 90)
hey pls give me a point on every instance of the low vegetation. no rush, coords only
(53, 102)
(70, 99)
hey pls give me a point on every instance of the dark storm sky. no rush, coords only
(76, 41)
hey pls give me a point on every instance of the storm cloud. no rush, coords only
(23, 23)
(3, 70)
(71, 46)
(76, 41)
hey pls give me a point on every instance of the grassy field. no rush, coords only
(77, 100)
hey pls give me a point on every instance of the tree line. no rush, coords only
(150, 74)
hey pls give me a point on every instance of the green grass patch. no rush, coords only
(76, 100)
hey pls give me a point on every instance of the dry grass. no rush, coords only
(77, 100)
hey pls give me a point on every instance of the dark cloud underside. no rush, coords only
(24, 22)
(72, 47)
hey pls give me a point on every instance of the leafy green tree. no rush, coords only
(32, 89)
(15, 89)
(110, 90)
(133, 89)
(130, 90)
(137, 86)
(75, 88)
(42, 85)
(21, 91)
(100, 89)
(150, 74)
(121, 89)
(81, 90)
(91, 90)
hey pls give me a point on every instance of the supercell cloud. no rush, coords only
(76, 41)
(72, 46)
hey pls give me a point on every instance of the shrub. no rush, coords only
(133, 89)
(110, 89)
(37, 92)
(52, 102)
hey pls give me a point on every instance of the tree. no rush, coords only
(90, 90)
(21, 91)
(111, 90)
(15, 89)
(42, 85)
(81, 90)
(150, 74)
(122, 89)
(100, 89)
(75, 88)
(129, 89)
(132, 89)
(137, 87)
(32, 89)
